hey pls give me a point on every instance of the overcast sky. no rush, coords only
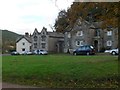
(22, 16)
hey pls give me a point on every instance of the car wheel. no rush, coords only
(113, 53)
(75, 53)
(88, 53)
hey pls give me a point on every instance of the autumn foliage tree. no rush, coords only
(61, 21)
(107, 12)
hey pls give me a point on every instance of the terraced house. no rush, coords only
(44, 40)
(86, 33)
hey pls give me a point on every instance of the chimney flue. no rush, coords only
(27, 34)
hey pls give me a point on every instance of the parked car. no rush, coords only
(14, 53)
(84, 50)
(27, 53)
(112, 51)
(40, 52)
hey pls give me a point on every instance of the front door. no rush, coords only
(60, 47)
(96, 45)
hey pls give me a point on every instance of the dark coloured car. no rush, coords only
(84, 50)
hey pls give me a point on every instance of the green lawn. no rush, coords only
(58, 71)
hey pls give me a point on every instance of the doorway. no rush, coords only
(96, 45)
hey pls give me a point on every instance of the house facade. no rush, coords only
(44, 40)
(85, 33)
(23, 44)
(49, 41)
(82, 33)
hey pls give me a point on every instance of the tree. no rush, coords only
(107, 12)
(61, 21)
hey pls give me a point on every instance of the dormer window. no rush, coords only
(43, 33)
(79, 33)
(109, 33)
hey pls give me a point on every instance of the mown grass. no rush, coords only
(61, 71)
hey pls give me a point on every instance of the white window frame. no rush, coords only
(77, 43)
(79, 22)
(109, 33)
(80, 43)
(79, 33)
(69, 35)
(109, 43)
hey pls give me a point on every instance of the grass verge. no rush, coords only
(61, 71)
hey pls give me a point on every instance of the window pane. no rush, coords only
(109, 33)
(78, 43)
(23, 49)
(80, 33)
(35, 38)
(43, 38)
(81, 43)
(43, 45)
(87, 48)
(80, 48)
(23, 43)
(35, 45)
(83, 48)
(109, 43)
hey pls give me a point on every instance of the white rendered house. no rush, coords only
(23, 44)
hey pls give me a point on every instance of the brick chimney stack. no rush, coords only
(27, 34)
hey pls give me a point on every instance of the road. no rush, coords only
(9, 85)
(5, 54)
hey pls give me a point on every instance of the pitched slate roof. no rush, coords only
(27, 38)
(55, 34)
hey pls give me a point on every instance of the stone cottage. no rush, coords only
(86, 33)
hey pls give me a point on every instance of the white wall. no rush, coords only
(20, 46)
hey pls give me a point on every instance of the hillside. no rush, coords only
(7, 40)
(9, 36)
